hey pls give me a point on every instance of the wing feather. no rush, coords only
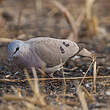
(53, 51)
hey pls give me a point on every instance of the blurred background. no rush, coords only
(83, 21)
(78, 20)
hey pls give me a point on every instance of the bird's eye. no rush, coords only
(16, 50)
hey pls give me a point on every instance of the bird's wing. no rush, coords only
(53, 51)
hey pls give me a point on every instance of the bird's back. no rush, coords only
(53, 51)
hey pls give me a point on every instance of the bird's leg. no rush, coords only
(50, 70)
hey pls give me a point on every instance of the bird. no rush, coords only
(46, 53)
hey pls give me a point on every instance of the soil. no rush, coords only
(24, 19)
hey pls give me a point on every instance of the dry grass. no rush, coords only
(46, 79)
(85, 74)
(95, 76)
(37, 101)
(29, 102)
(91, 19)
(81, 96)
(38, 98)
(6, 40)
(69, 19)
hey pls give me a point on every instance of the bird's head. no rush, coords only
(14, 48)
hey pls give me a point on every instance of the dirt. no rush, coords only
(22, 17)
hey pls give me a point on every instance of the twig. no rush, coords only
(91, 20)
(95, 75)
(81, 96)
(19, 21)
(36, 85)
(80, 19)
(29, 81)
(37, 98)
(89, 96)
(46, 79)
(6, 40)
(69, 18)
(38, 95)
(85, 74)
(38, 6)
(17, 98)
(89, 5)
(64, 82)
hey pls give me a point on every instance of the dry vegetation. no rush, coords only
(86, 84)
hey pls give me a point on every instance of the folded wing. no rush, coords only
(53, 51)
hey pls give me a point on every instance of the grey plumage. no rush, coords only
(43, 52)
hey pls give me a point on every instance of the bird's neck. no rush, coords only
(25, 50)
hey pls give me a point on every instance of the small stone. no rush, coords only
(2, 68)
(108, 92)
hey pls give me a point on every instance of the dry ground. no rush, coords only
(24, 19)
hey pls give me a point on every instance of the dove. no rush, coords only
(44, 52)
